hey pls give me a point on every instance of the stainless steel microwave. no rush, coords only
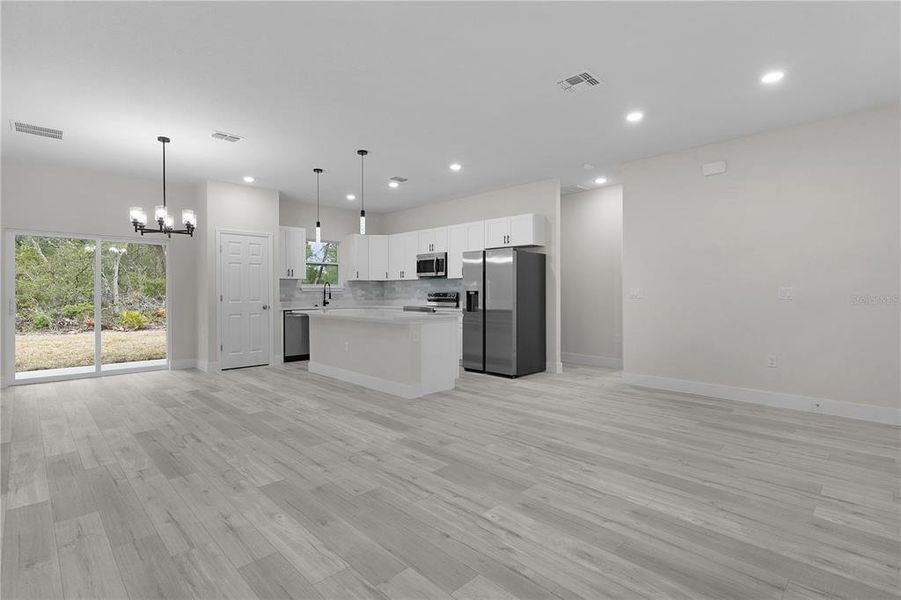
(433, 264)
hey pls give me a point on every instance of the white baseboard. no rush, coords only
(837, 408)
(404, 390)
(207, 366)
(554, 367)
(183, 363)
(591, 360)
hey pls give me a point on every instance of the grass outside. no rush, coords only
(36, 351)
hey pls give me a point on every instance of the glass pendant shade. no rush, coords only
(137, 215)
(168, 221)
(362, 222)
(160, 212)
(318, 233)
(188, 217)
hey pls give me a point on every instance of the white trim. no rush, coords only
(404, 390)
(553, 367)
(838, 408)
(592, 360)
(111, 369)
(183, 363)
(272, 292)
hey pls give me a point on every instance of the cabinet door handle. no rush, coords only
(386, 274)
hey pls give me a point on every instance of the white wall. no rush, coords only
(542, 197)
(241, 208)
(591, 241)
(337, 223)
(814, 207)
(74, 201)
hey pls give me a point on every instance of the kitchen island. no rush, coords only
(407, 354)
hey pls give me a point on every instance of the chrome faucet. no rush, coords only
(324, 301)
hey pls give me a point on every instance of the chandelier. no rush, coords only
(164, 221)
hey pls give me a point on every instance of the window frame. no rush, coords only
(304, 285)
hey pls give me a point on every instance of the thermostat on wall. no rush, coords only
(713, 168)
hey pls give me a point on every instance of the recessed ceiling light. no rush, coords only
(393, 184)
(635, 116)
(601, 180)
(249, 179)
(772, 77)
(455, 166)
(351, 197)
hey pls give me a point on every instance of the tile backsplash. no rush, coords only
(370, 293)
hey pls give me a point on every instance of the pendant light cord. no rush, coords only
(362, 189)
(318, 172)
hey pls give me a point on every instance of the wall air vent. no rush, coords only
(226, 137)
(398, 179)
(579, 81)
(573, 189)
(47, 132)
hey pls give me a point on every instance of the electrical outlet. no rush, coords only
(771, 361)
(785, 293)
(346, 346)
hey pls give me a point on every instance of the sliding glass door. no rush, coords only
(87, 306)
(132, 305)
(54, 306)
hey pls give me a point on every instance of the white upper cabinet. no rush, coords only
(292, 252)
(520, 230)
(433, 240)
(355, 258)
(463, 238)
(402, 250)
(378, 257)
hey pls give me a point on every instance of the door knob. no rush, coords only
(265, 307)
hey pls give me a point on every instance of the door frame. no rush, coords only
(220, 231)
(9, 305)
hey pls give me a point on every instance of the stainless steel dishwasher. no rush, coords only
(297, 336)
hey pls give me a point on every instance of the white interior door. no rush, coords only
(245, 315)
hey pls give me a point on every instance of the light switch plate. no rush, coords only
(771, 361)
(785, 293)
(636, 294)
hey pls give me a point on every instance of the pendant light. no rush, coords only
(318, 226)
(362, 154)
(165, 222)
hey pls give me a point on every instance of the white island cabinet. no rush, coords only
(407, 354)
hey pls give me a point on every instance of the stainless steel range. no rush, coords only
(436, 301)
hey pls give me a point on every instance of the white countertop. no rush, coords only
(382, 315)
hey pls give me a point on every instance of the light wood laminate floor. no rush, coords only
(274, 483)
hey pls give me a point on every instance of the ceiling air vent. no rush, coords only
(580, 81)
(573, 189)
(226, 137)
(47, 132)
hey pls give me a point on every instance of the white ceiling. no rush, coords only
(424, 84)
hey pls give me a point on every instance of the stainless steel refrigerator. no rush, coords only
(504, 311)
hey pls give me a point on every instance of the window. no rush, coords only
(322, 263)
